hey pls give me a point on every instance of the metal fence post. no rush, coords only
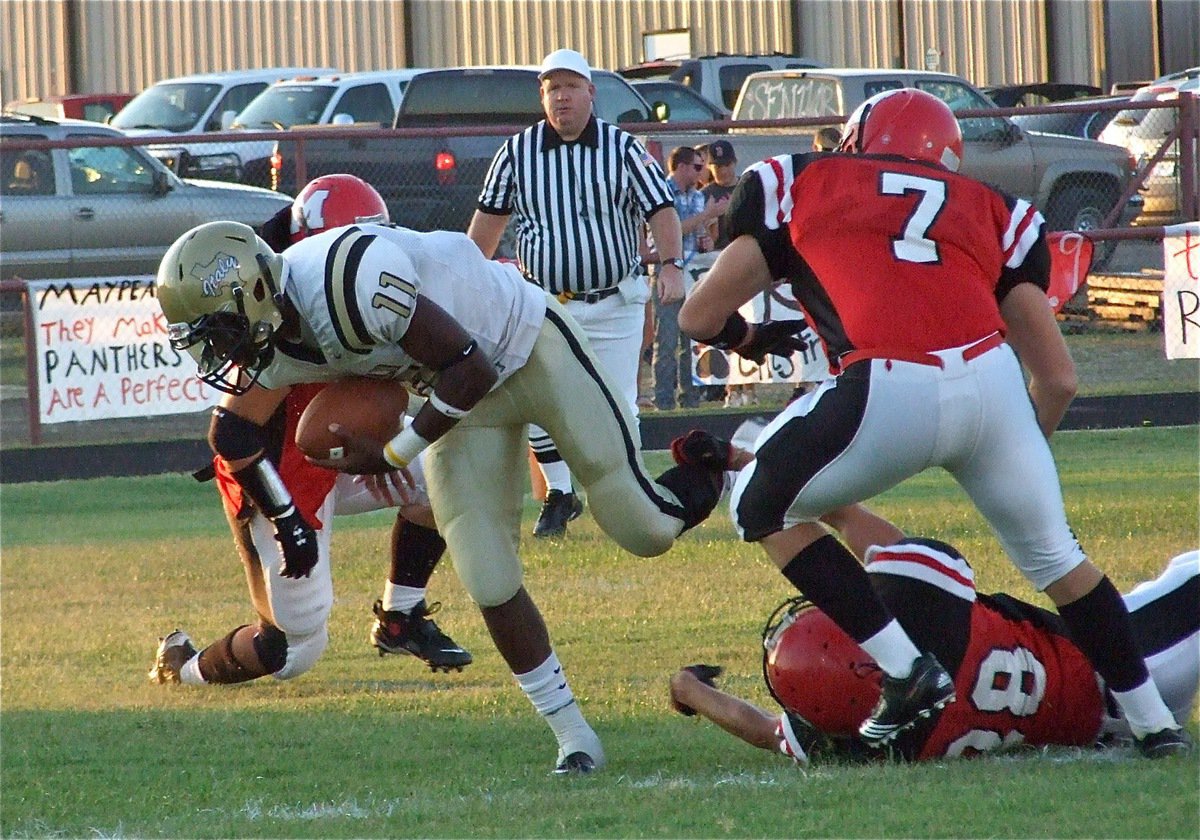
(1189, 121)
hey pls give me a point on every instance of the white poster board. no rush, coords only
(1181, 291)
(715, 367)
(102, 352)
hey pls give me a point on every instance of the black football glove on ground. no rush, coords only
(707, 674)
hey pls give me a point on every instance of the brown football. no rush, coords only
(370, 407)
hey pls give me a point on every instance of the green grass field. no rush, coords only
(94, 571)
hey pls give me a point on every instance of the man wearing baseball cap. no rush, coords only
(583, 191)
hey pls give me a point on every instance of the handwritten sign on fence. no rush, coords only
(102, 352)
(1181, 290)
(714, 367)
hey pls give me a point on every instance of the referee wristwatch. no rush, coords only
(676, 261)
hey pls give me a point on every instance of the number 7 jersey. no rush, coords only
(888, 253)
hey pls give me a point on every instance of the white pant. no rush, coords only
(300, 607)
(1165, 623)
(613, 327)
(472, 470)
(883, 421)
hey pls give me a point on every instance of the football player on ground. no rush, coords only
(489, 352)
(1020, 678)
(298, 610)
(924, 286)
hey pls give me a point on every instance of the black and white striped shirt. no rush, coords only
(579, 205)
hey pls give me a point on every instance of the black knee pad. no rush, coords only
(270, 644)
(219, 665)
(697, 488)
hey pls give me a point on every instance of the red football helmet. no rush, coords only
(815, 670)
(333, 201)
(906, 122)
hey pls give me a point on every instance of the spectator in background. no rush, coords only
(582, 191)
(672, 352)
(722, 168)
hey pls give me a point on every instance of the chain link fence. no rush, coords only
(84, 359)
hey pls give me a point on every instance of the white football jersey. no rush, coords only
(356, 289)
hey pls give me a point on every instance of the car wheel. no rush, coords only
(1083, 208)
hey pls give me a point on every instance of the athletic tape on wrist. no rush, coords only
(403, 448)
(444, 407)
(262, 483)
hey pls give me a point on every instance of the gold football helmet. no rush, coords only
(221, 288)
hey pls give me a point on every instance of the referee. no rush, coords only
(582, 191)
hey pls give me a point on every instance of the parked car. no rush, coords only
(96, 107)
(104, 209)
(1072, 123)
(683, 103)
(1142, 131)
(718, 78)
(205, 102)
(1038, 93)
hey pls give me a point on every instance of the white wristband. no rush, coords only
(403, 448)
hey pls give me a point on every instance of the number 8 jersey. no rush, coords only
(943, 249)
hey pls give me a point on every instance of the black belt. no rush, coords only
(588, 297)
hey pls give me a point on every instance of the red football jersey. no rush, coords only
(1018, 678)
(889, 254)
(1017, 684)
(308, 483)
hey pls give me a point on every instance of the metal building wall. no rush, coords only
(850, 33)
(130, 44)
(1076, 42)
(1180, 47)
(608, 33)
(1131, 36)
(35, 59)
(987, 42)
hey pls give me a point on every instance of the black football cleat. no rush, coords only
(1164, 743)
(558, 509)
(576, 764)
(905, 701)
(417, 635)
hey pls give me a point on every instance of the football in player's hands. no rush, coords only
(368, 407)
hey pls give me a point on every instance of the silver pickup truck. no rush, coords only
(1076, 183)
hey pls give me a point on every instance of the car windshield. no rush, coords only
(169, 107)
(283, 106)
(503, 97)
(1067, 124)
(1137, 116)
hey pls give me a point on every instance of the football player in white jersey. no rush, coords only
(489, 352)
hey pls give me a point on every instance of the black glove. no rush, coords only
(777, 338)
(702, 449)
(298, 543)
(706, 674)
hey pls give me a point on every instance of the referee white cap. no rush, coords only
(565, 60)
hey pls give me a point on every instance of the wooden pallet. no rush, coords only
(1131, 302)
